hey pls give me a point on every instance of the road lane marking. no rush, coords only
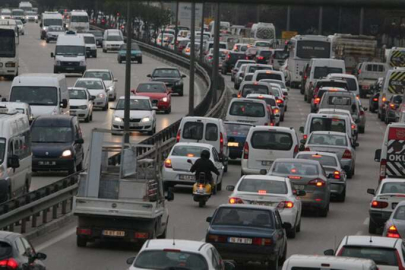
(359, 233)
(366, 221)
(56, 240)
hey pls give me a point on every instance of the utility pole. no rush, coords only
(177, 26)
(320, 20)
(202, 33)
(288, 18)
(192, 62)
(215, 62)
(361, 21)
(127, 74)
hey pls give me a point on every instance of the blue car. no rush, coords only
(136, 54)
(249, 233)
(236, 133)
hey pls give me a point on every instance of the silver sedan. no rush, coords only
(395, 225)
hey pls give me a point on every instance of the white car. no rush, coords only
(91, 46)
(389, 193)
(176, 169)
(20, 26)
(272, 102)
(178, 254)
(97, 89)
(142, 116)
(108, 78)
(282, 86)
(272, 191)
(81, 103)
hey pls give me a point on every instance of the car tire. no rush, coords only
(226, 167)
(87, 119)
(292, 232)
(91, 116)
(81, 242)
(47, 40)
(272, 265)
(119, 61)
(168, 110)
(232, 79)
(362, 130)
(284, 257)
(342, 196)
(95, 55)
(299, 226)
(323, 212)
(72, 170)
(201, 203)
(372, 228)
(387, 119)
(153, 131)
(105, 108)
(181, 93)
(285, 109)
(282, 118)
(79, 167)
(140, 61)
(305, 97)
(219, 186)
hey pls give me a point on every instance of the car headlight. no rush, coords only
(100, 95)
(83, 107)
(83, 63)
(145, 119)
(164, 99)
(57, 63)
(111, 88)
(178, 83)
(10, 64)
(118, 119)
(67, 153)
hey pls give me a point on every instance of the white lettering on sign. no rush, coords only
(313, 48)
(396, 158)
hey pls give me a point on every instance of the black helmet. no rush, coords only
(205, 154)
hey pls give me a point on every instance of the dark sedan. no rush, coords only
(249, 233)
(230, 61)
(373, 105)
(171, 77)
(237, 133)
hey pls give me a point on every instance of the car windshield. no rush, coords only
(262, 44)
(188, 151)
(271, 76)
(247, 109)
(34, 95)
(55, 29)
(151, 88)
(252, 69)
(400, 212)
(383, 256)
(79, 19)
(104, 75)
(51, 134)
(393, 187)
(237, 130)
(263, 186)
(271, 140)
(244, 217)
(166, 73)
(321, 72)
(295, 168)
(328, 124)
(170, 259)
(114, 38)
(327, 139)
(90, 84)
(17, 12)
(89, 40)
(48, 22)
(70, 50)
(135, 105)
(2, 151)
(280, 55)
(134, 47)
(254, 89)
(324, 160)
(77, 94)
(339, 100)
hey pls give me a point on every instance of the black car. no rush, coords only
(263, 56)
(171, 77)
(230, 61)
(373, 105)
(98, 34)
(249, 233)
(237, 133)
(16, 252)
(57, 144)
(392, 111)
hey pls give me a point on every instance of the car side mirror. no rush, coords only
(371, 191)
(13, 162)
(302, 129)
(301, 192)
(40, 25)
(377, 155)
(230, 188)
(329, 252)
(183, 76)
(40, 256)
(52, 55)
(208, 219)
(92, 97)
(115, 80)
(229, 265)
(170, 195)
(287, 225)
(64, 103)
(79, 141)
(263, 171)
(149, 76)
(131, 260)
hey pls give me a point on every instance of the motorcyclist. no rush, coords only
(205, 165)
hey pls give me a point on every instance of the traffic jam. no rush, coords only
(284, 174)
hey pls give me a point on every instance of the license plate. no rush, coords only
(134, 124)
(69, 68)
(299, 187)
(187, 177)
(72, 113)
(114, 233)
(200, 190)
(261, 203)
(233, 144)
(237, 240)
(266, 163)
(394, 205)
(47, 163)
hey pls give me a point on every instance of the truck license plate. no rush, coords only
(114, 233)
(237, 240)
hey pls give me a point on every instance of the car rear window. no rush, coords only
(332, 84)
(170, 259)
(233, 57)
(265, 53)
(327, 124)
(295, 168)
(375, 68)
(252, 69)
(271, 140)
(321, 72)
(237, 129)
(188, 151)
(247, 109)
(271, 76)
(327, 139)
(280, 55)
(248, 78)
(393, 187)
(269, 101)
(324, 160)
(254, 89)
(339, 100)
(246, 217)
(193, 130)
(263, 186)
(400, 213)
(5, 250)
(383, 256)
(211, 132)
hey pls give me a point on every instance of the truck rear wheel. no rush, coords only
(81, 242)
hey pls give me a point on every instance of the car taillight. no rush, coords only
(178, 135)
(378, 204)
(221, 143)
(168, 163)
(392, 105)
(276, 111)
(228, 56)
(305, 77)
(384, 99)
(296, 149)
(383, 168)
(82, 231)
(317, 100)
(317, 182)
(246, 151)
(216, 238)
(235, 200)
(9, 264)
(262, 241)
(305, 137)
(393, 232)
(141, 235)
(279, 101)
(347, 154)
(336, 174)
(260, 58)
(375, 99)
(353, 126)
(285, 204)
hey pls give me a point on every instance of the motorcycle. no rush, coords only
(202, 189)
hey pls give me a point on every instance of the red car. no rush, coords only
(158, 93)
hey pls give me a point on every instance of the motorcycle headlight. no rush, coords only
(164, 99)
(101, 95)
(83, 107)
(118, 119)
(67, 153)
(145, 119)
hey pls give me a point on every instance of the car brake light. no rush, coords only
(384, 99)
(378, 204)
(262, 241)
(221, 143)
(228, 56)
(336, 174)
(217, 238)
(276, 111)
(235, 200)
(294, 177)
(305, 137)
(296, 149)
(375, 99)
(178, 135)
(9, 263)
(383, 167)
(81, 231)
(239, 95)
(285, 204)
(347, 154)
(260, 58)
(393, 232)
(353, 126)
(279, 101)
(317, 182)
(141, 235)
(246, 151)
(317, 100)
(392, 105)
(168, 163)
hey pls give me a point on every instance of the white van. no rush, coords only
(20, 107)
(264, 145)
(70, 54)
(15, 154)
(48, 19)
(268, 75)
(246, 110)
(113, 39)
(79, 21)
(320, 68)
(45, 93)
(352, 83)
(315, 262)
(393, 84)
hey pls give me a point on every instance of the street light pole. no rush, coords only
(192, 62)
(215, 62)
(127, 74)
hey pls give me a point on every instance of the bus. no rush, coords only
(301, 50)
(9, 40)
(25, 5)
(78, 21)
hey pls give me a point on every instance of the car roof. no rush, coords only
(184, 245)
(333, 110)
(333, 89)
(89, 79)
(266, 128)
(206, 145)
(166, 68)
(151, 82)
(325, 115)
(56, 120)
(265, 177)
(342, 75)
(249, 206)
(247, 100)
(302, 259)
(255, 83)
(331, 80)
(392, 180)
(371, 241)
(340, 93)
(238, 123)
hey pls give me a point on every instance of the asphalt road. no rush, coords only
(187, 220)
(34, 55)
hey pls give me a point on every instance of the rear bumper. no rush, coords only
(55, 164)
(379, 217)
(245, 253)
(235, 152)
(77, 69)
(100, 233)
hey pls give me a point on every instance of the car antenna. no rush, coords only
(174, 235)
